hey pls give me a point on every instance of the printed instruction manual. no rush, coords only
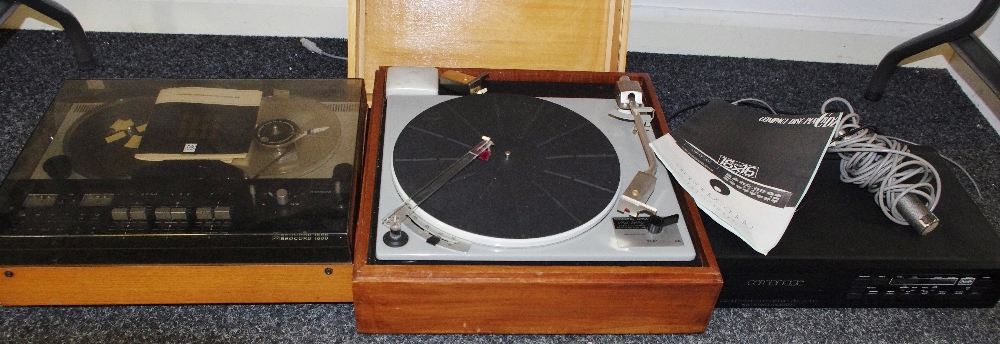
(747, 169)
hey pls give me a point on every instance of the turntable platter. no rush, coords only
(551, 172)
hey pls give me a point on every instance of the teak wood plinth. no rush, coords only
(494, 298)
(174, 284)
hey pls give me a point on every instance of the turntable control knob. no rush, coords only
(281, 196)
(655, 224)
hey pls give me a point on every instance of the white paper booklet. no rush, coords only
(745, 168)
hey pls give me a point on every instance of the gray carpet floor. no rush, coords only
(921, 105)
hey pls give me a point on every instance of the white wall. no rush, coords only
(307, 18)
(849, 31)
(853, 31)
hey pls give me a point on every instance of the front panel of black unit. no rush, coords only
(190, 221)
(860, 288)
(840, 251)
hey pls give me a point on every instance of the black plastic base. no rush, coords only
(398, 241)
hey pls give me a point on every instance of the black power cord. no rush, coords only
(748, 102)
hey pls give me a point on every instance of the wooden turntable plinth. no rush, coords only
(534, 298)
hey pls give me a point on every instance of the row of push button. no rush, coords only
(171, 213)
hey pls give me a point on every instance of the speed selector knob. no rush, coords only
(655, 224)
(281, 196)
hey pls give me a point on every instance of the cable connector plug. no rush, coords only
(311, 46)
(913, 209)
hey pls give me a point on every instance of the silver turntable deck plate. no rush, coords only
(599, 243)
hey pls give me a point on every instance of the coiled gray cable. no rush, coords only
(884, 165)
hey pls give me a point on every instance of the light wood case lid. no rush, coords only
(521, 34)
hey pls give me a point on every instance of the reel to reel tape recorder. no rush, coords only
(80, 194)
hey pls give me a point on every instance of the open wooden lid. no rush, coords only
(518, 34)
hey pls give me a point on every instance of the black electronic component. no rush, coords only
(840, 251)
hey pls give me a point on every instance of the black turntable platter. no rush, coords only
(103, 143)
(550, 171)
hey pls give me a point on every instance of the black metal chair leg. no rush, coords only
(944, 34)
(72, 27)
